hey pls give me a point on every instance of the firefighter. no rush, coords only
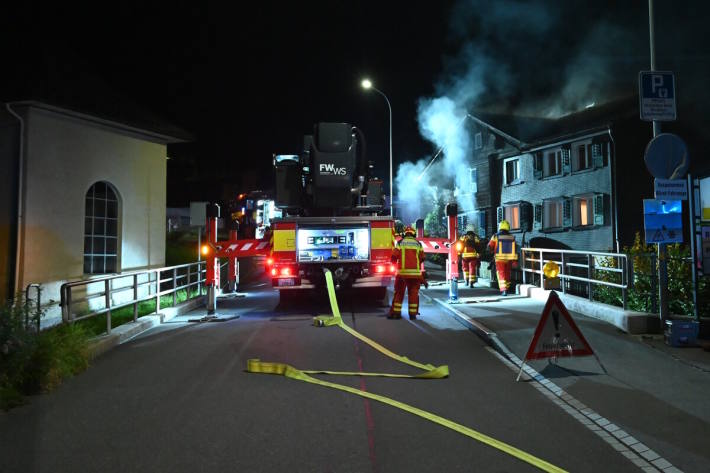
(408, 254)
(503, 246)
(470, 255)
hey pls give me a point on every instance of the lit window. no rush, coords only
(101, 230)
(512, 215)
(583, 210)
(511, 170)
(553, 213)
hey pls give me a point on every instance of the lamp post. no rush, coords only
(367, 84)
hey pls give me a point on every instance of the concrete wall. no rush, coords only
(65, 156)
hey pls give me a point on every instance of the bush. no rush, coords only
(32, 362)
(640, 297)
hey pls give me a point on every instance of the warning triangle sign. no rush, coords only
(556, 334)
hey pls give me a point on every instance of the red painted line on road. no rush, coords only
(369, 420)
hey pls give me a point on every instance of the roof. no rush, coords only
(525, 133)
(41, 79)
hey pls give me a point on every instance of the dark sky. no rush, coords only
(251, 79)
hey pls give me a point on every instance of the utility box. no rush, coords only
(681, 333)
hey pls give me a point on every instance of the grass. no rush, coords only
(96, 325)
(31, 362)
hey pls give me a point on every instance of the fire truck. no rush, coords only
(330, 206)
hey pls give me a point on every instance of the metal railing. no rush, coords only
(86, 299)
(580, 271)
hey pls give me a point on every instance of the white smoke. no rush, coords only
(514, 56)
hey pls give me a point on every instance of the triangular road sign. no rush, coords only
(556, 334)
(658, 236)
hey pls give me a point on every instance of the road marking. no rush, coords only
(255, 365)
(612, 434)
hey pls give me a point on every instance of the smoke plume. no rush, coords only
(544, 59)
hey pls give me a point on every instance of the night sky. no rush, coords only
(250, 80)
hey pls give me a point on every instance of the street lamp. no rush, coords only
(367, 85)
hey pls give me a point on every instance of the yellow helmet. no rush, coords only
(504, 225)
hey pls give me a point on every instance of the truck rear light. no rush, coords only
(273, 271)
(269, 261)
(392, 268)
(286, 271)
(380, 268)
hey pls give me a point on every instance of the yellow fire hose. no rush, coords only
(430, 372)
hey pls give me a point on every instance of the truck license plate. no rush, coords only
(287, 282)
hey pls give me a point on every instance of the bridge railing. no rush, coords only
(581, 272)
(82, 300)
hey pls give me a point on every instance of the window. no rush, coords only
(552, 165)
(511, 171)
(512, 215)
(553, 213)
(473, 179)
(581, 157)
(519, 214)
(583, 210)
(101, 230)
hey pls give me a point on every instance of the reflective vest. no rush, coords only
(469, 247)
(505, 249)
(408, 253)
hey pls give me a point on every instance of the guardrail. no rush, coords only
(580, 271)
(86, 299)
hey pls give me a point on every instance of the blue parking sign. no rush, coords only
(657, 96)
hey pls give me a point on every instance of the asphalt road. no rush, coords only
(178, 399)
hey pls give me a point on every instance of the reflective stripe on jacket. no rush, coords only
(469, 247)
(505, 247)
(408, 254)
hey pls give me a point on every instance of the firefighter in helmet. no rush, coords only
(503, 246)
(470, 253)
(408, 255)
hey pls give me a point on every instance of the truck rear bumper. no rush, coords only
(303, 283)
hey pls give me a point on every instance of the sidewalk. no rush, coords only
(657, 393)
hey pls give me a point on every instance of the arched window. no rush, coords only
(101, 230)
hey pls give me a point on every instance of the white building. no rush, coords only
(81, 196)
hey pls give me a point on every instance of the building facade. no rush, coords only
(86, 197)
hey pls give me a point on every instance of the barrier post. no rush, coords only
(452, 263)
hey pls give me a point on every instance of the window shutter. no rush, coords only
(597, 155)
(499, 216)
(599, 209)
(566, 167)
(537, 223)
(526, 216)
(567, 213)
(537, 165)
(482, 224)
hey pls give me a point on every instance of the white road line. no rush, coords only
(635, 451)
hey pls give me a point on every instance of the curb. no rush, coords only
(123, 333)
(632, 322)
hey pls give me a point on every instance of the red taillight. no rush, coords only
(273, 271)
(286, 271)
(380, 268)
(269, 261)
(392, 268)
